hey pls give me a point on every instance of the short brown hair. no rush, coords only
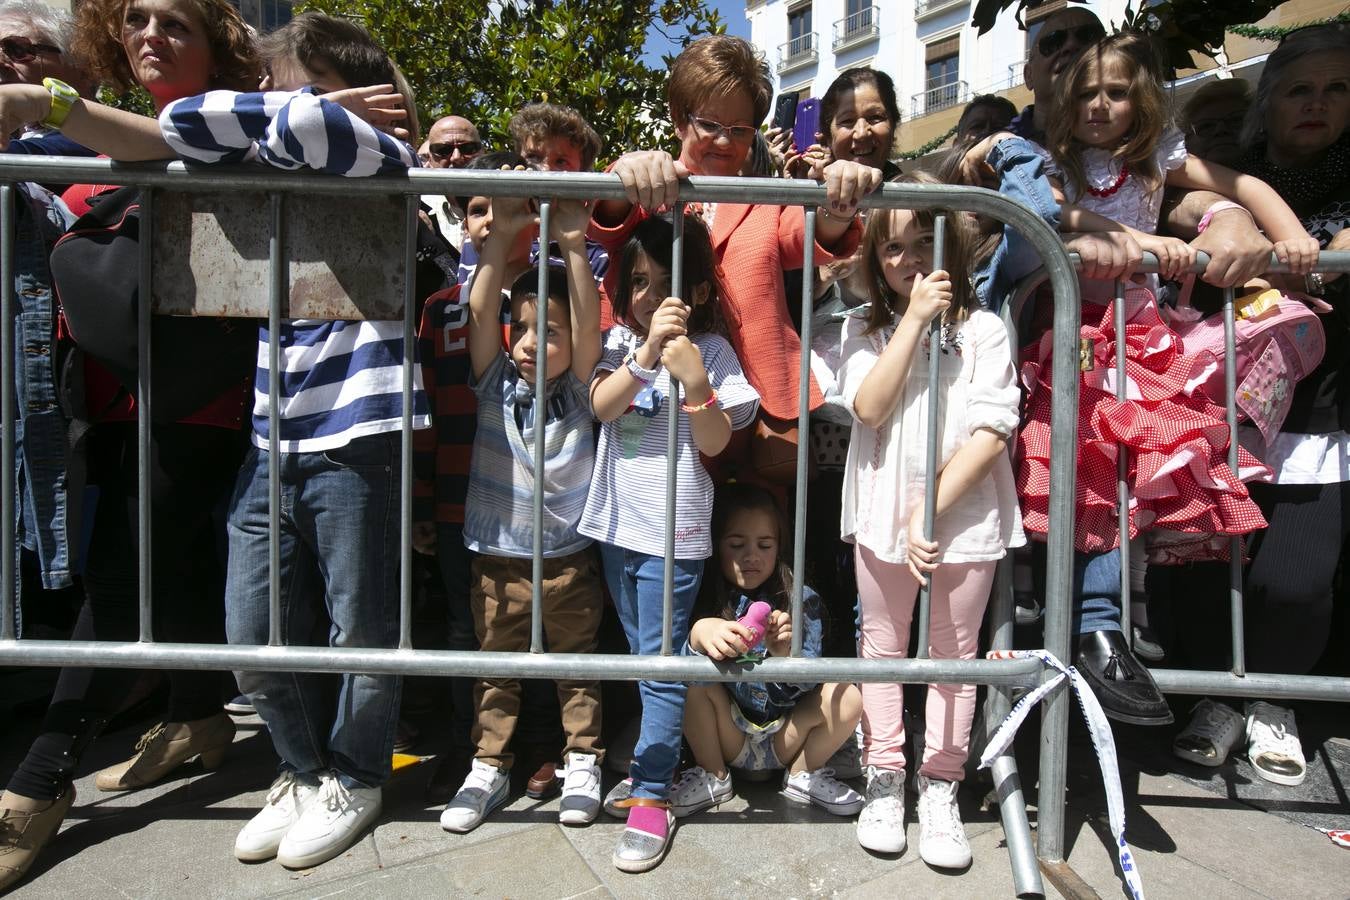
(541, 121)
(717, 66)
(1146, 96)
(98, 41)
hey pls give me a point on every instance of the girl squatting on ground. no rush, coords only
(759, 727)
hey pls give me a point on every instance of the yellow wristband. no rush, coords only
(63, 98)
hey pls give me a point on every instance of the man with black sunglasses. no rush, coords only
(452, 143)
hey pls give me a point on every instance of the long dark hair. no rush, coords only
(719, 597)
(655, 237)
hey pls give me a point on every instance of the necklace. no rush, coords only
(1108, 191)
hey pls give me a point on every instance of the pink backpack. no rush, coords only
(1279, 342)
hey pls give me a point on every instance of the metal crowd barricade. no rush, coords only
(1237, 681)
(283, 189)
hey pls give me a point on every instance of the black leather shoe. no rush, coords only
(1122, 684)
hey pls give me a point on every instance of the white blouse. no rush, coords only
(884, 480)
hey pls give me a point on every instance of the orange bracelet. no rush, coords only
(711, 401)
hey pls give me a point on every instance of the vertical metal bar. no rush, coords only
(672, 447)
(1122, 471)
(145, 296)
(1059, 555)
(540, 415)
(1235, 543)
(405, 425)
(930, 473)
(8, 363)
(803, 427)
(278, 287)
(1007, 782)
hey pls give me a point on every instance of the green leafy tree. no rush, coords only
(484, 60)
(1183, 27)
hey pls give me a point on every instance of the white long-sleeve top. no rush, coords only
(884, 474)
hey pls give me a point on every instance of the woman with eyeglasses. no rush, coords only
(719, 92)
(172, 49)
(1295, 137)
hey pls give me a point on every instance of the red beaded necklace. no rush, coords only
(1120, 180)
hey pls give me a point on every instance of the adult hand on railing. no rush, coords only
(378, 104)
(650, 178)
(720, 639)
(921, 553)
(846, 184)
(1237, 251)
(778, 637)
(1106, 255)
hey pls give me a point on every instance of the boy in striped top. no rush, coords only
(340, 413)
(498, 519)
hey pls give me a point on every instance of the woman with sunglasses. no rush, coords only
(1296, 137)
(173, 49)
(34, 44)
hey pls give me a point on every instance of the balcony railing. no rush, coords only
(939, 97)
(1015, 72)
(799, 51)
(926, 8)
(861, 26)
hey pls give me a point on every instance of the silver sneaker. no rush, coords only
(1273, 745)
(1213, 731)
(822, 788)
(697, 790)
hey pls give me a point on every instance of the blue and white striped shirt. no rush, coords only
(340, 380)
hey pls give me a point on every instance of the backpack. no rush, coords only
(95, 269)
(1279, 342)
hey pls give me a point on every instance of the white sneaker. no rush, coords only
(847, 760)
(697, 790)
(580, 802)
(286, 801)
(1213, 731)
(881, 824)
(1273, 745)
(485, 789)
(330, 823)
(822, 788)
(942, 836)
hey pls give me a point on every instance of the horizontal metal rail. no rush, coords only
(481, 663)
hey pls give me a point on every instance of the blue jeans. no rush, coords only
(636, 581)
(339, 588)
(1096, 592)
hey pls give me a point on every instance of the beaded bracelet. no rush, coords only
(706, 404)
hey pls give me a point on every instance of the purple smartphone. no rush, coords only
(807, 124)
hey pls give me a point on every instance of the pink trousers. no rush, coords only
(886, 594)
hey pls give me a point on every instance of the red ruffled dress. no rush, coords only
(1181, 487)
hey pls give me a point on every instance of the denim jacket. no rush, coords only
(40, 430)
(1021, 177)
(765, 701)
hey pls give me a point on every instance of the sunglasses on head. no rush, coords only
(21, 49)
(1050, 43)
(465, 148)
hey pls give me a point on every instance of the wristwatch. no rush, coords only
(63, 98)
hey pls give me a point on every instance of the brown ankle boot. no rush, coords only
(166, 747)
(26, 825)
